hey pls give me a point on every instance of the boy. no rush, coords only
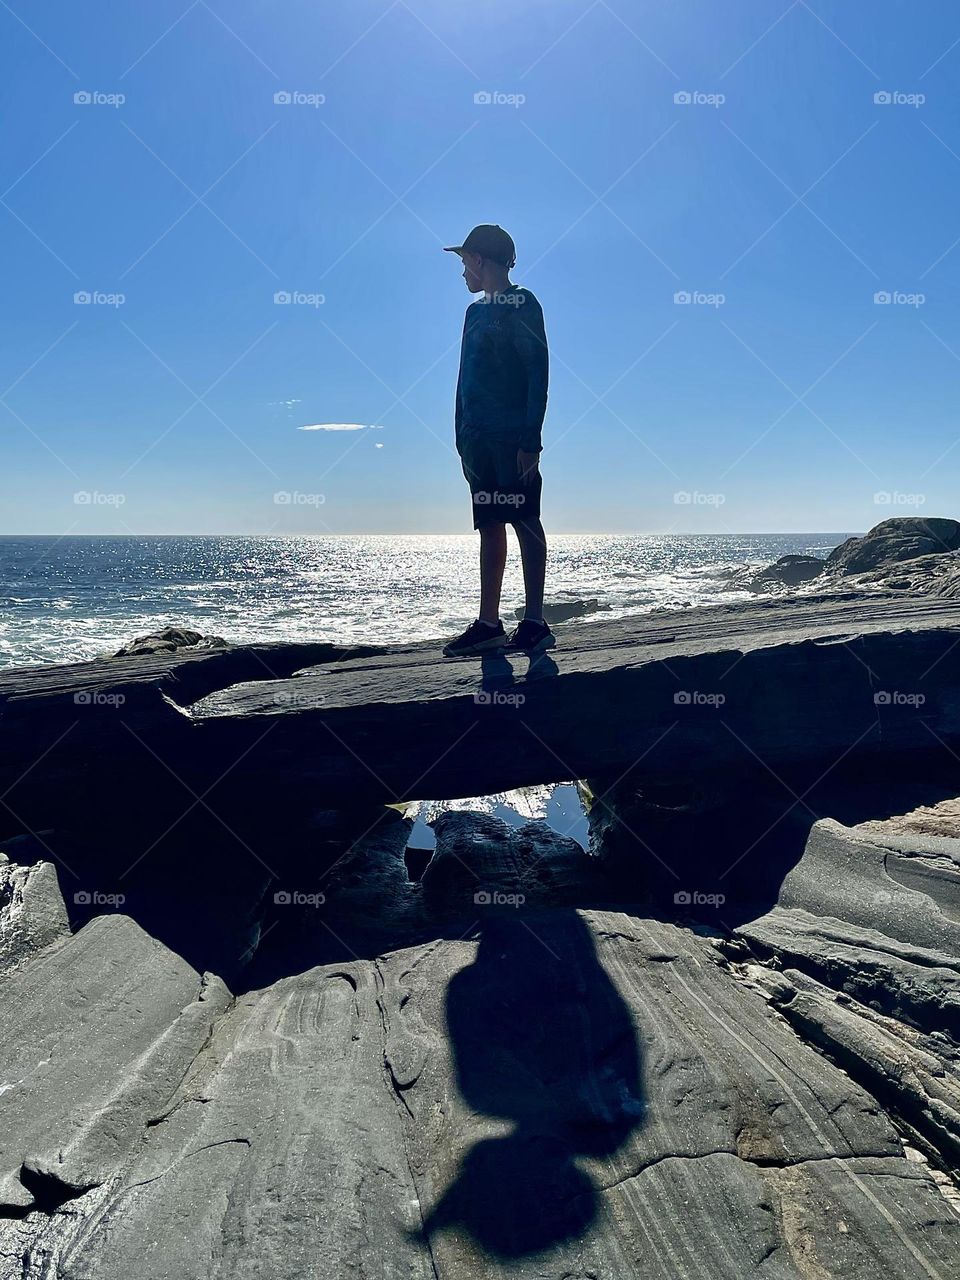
(501, 402)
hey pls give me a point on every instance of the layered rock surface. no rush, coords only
(237, 1039)
(533, 1090)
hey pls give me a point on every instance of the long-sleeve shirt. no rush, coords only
(502, 387)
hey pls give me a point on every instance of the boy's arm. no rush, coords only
(531, 344)
(458, 410)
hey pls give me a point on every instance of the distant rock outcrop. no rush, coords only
(891, 541)
(906, 553)
(168, 641)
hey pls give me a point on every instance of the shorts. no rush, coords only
(497, 494)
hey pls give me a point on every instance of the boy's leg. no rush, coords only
(493, 559)
(533, 553)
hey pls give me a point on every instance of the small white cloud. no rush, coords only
(341, 426)
(378, 446)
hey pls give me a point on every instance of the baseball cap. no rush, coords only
(490, 241)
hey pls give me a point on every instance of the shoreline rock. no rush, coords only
(906, 553)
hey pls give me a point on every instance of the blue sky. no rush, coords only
(782, 198)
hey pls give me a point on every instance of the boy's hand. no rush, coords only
(527, 465)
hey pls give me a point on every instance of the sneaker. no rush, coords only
(478, 638)
(530, 637)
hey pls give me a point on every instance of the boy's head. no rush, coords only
(487, 254)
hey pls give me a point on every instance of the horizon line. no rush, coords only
(461, 533)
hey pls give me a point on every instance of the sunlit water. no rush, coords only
(66, 599)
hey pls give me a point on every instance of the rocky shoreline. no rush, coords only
(907, 554)
(245, 1035)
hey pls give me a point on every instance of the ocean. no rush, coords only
(64, 599)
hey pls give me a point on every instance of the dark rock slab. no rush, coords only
(783, 680)
(111, 735)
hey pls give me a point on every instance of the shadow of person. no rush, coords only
(542, 1041)
(495, 671)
